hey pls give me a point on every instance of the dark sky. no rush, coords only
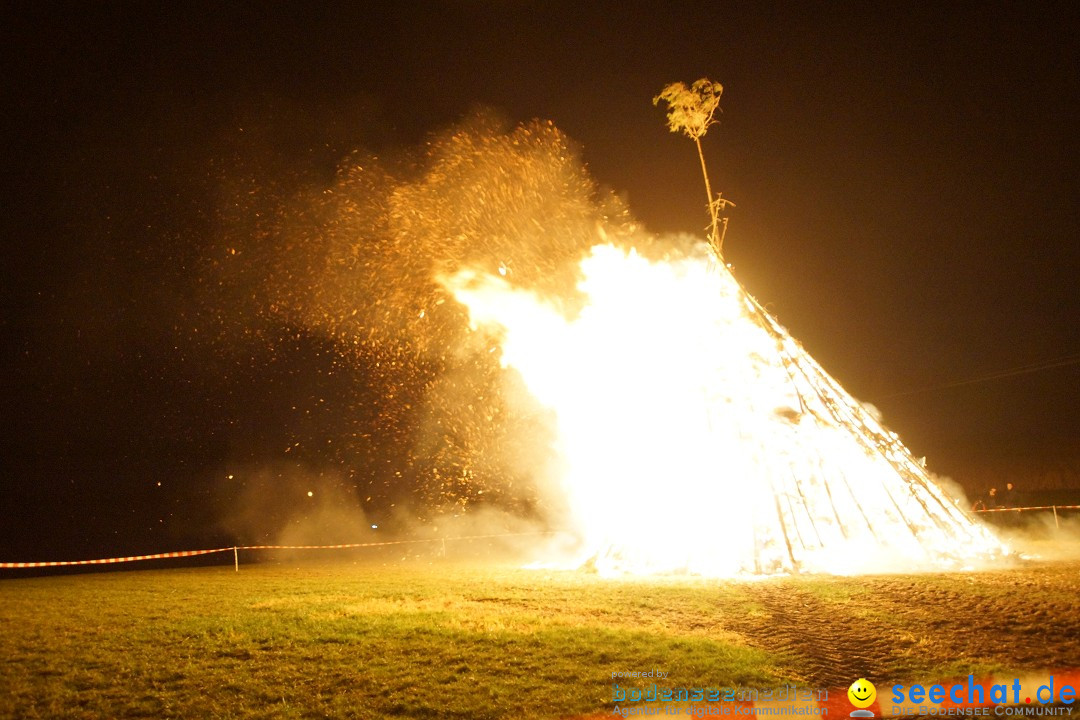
(905, 176)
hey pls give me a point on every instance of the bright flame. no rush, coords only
(698, 436)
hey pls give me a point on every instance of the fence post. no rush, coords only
(1057, 523)
(236, 558)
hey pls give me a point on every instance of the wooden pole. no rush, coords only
(236, 558)
(714, 240)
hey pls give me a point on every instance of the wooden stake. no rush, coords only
(713, 239)
(236, 558)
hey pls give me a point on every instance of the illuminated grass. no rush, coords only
(353, 641)
(459, 641)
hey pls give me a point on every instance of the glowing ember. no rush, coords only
(698, 436)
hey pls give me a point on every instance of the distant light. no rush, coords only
(159, 483)
(374, 527)
(309, 493)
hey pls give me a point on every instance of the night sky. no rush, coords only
(905, 180)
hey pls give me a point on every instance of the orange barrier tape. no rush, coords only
(390, 542)
(189, 553)
(107, 561)
(1036, 507)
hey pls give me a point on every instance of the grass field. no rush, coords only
(450, 639)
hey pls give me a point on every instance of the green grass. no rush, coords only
(370, 641)
(458, 640)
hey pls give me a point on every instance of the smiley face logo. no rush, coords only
(862, 693)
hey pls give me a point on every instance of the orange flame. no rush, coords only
(698, 436)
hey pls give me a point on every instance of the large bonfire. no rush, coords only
(696, 435)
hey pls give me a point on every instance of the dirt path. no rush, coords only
(822, 639)
(1018, 619)
(835, 630)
